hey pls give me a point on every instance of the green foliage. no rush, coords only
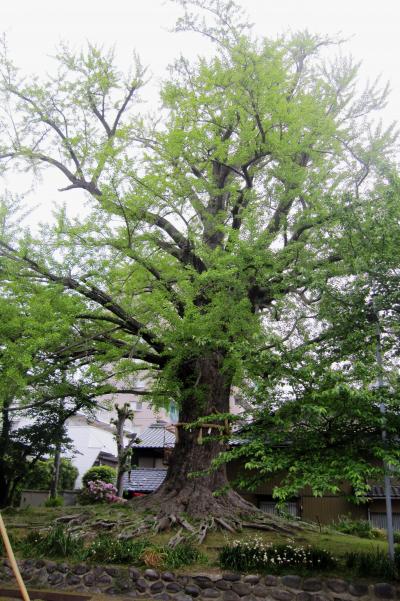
(109, 550)
(56, 543)
(328, 434)
(39, 477)
(59, 543)
(235, 241)
(374, 564)
(184, 554)
(36, 322)
(105, 473)
(361, 528)
(54, 502)
(243, 556)
(396, 536)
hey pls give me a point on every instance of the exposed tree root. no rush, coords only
(195, 501)
(186, 509)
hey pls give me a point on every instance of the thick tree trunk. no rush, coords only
(183, 491)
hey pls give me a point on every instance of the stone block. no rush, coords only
(230, 596)
(51, 566)
(80, 569)
(182, 597)
(358, 589)
(383, 590)
(232, 577)
(291, 581)
(336, 585)
(141, 585)
(312, 585)
(157, 587)
(173, 587)
(241, 588)
(150, 574)
(89, 579)
(252, 579)
(260, 590)
(55, 578)
(281, 595)
(167, 577)
(193, 590)
(104, 579)
(72, 579)
(210, 593)
(134, 573)
(203, 581)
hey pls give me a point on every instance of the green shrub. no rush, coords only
(105, 473)
(375, 564)
(255, 555)
(184, 554)
(54, 502)
(56, 543)
(110, 550)
(40, 475)
(361, 528)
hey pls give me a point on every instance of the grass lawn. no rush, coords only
(111, 520)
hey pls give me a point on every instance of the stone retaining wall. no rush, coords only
(167, 586)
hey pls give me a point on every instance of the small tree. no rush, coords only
(124, 450)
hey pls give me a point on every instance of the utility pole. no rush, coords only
(387, 481)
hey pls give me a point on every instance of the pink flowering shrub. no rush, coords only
(98, 491)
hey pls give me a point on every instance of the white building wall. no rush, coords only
(91, 435)
(88, 440)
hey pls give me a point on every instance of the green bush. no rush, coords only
(56, 543)
(110, 550)
(40, 475)
(105, 473)
(243, 556)
(375, 564)
(361, 528)
(54, 502)
(184, 554)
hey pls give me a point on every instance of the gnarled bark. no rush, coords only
(208, 494)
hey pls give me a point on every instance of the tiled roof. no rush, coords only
(378, 492)
(144, 479)
(156, 437)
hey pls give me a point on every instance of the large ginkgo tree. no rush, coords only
(213, 227)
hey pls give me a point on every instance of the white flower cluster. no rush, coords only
(261, 554)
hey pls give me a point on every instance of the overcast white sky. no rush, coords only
(34, 28)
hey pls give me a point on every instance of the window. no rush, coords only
(271, 507)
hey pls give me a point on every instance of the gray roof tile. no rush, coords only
(144, 479)
(156, 437)
(378, 492)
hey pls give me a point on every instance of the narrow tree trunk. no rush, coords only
(123, 452)
(5, 430)
(4, 491)
(56, 473)
(183, 490)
